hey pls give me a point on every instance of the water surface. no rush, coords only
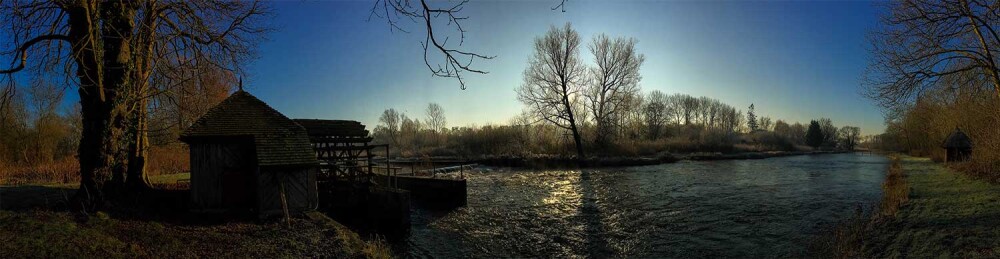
(738, 208)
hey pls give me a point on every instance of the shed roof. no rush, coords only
(340, 128)
(278, 139)
(957, 139)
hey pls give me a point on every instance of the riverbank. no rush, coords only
(35, 223)
(47, 234)
(948, 214)
(551, 162)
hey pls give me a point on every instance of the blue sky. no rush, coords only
(795, 60)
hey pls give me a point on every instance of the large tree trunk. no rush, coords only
(94, 162)
(100, 33)
(117, 34)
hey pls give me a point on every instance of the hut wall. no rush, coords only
(209, 161)
(300, 189)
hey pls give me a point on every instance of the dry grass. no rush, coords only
(895, 190)
(62, 171)
(163, 160)
(168, 159)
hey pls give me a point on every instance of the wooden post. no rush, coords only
(284, 202)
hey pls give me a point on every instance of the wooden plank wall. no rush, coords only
(300, 189)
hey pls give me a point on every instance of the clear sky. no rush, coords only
(795, 60)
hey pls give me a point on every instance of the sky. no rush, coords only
(794, 60)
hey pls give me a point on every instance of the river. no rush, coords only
(738, 208)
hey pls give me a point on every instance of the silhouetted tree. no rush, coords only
(390, 121)
(435, 117)
(849, 136)
(782, 129)
(752, 119)
(553, 79)
(814, 135)
(655, 113)
(615, 79)
(829, 132)
(765, 123)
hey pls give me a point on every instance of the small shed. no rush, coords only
(958, 145)
(247, 157)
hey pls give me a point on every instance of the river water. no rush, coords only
(738, 208)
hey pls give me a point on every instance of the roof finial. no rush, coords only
(241, 83)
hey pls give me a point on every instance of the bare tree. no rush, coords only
(829, 131)
(114, 50)
(435, 117)
(849, 136)
(765, 123)
(732, 120)
(782, 129)
(655, 113)
(390, 120)
(615, 78)
(922, 41)
(553, 79)
(180, 105)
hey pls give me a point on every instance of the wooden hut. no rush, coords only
(247, 157)
(958, 145)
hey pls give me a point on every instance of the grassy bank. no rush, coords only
(945, 214)
(34, 223)
(45, 234)
(949, 214)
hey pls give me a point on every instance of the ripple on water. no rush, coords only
(741, 208)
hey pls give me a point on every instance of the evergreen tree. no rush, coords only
(814, 136)
(752, 119)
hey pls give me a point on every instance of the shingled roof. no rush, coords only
(340, 128)
(957, 139)
(279, 140)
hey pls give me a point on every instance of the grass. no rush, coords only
(927, 211)
(34, 224)
(949, 215)
(179, 181)
(46, 234)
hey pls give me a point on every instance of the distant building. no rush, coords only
(958, 145)
(247, 157)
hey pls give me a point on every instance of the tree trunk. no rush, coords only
(572, 125)
(106, 100)
(116, 32)
(134, 181)
(94, 164)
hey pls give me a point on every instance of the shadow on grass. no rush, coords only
(36, 197)
(156, 204)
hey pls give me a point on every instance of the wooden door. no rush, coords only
(237, 188)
